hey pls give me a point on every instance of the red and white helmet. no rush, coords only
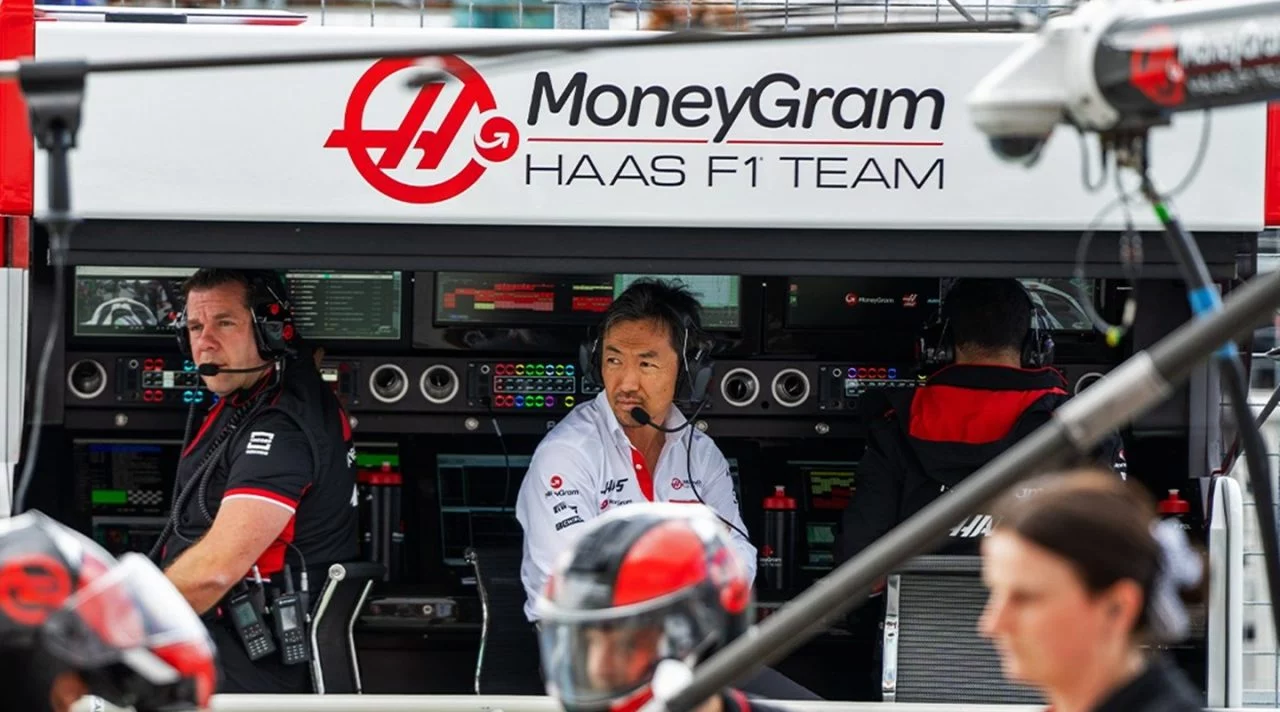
(644, 583)
(119, 624)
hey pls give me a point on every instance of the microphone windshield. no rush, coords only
(639, 415)
(208, 369)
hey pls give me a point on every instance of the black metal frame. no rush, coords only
(561, 249)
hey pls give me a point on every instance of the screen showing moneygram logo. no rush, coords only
(428, 146)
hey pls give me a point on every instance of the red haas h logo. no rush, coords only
(1154, 69)
(495, 142)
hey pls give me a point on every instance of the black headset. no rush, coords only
(936, 347)
(273, 329)
(696, 366)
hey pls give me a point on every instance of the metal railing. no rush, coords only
(621, 14)
(509, 703)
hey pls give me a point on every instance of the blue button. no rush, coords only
(893, 373)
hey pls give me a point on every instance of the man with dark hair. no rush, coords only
(650, 354)
(995, 389)
(266, 492)
(600, 456)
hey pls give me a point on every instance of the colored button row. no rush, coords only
(531, 401)
(533, 369)
(870, 372)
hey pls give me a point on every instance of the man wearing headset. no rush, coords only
(266, 493)
(610, 452)
(992, 387)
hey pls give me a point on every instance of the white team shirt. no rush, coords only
(586, 466)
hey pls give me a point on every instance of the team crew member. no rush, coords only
(76, 622)
(995, 389)
(651, 352)
(644, 587)
(1083, 577)
(267, 485)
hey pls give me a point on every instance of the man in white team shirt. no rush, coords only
(650, 352)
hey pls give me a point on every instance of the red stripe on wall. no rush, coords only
(1271, 184)
(17, 39)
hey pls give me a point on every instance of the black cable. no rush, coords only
(688, 470)
(506, 456)
(58, 255)
(1233, 452)
(199, 478)
(1205, 300)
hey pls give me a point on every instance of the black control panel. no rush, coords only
(840, 386)
(134, 379)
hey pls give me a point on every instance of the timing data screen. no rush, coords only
(347, 306)
(516, 300)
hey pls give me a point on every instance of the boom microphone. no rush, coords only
(211, 369)
(639, 415)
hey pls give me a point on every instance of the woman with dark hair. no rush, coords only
(1082, 575)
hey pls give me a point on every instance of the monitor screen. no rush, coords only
(718, 295)
(828, 486)
(890, 303)
(517, 299)
(1062, 301)
(477, 501)
(127, 301)
(511, 299)
(126, 477)
(327, 305)
(122, 534)
(346, 306)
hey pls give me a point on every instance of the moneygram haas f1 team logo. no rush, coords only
(1154, 69)
(494, 142)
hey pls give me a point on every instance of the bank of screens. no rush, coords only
(525, 300)
(828, 485)
(327, 305)
(718, 295)
(860, 303)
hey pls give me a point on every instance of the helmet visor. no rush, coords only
(593, 657)
(134, 615)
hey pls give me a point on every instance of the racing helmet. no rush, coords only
(643, 584)
(66, 605)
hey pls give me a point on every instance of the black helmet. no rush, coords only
(66, 605)
(644, 583)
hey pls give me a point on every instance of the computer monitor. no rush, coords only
(861, 303)
(127, 301)
(477, 501)
(718, 295)
(520, 300)
(331, 305)
(828, 486)
(125, 486)
(328, 305)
